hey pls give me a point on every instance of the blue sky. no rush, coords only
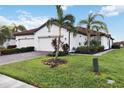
(34, 16)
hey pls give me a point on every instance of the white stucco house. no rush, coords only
(41, 38)
(9, 42)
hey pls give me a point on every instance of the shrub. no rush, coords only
(91, 50)
(54, 44)
(116, 46)
(27, 49)
(81, 50)
(94, 43)
(16, 50)
(61, 53)
(65, 48)
(101, 48)
(11, 46)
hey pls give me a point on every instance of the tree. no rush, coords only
(4, 34)
(89, 23)
(99, 28)
(18, 28)
(61, 20)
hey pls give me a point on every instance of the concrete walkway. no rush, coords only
(6, 59)
(7, 82)
(101, 53)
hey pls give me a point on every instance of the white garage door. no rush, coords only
(25, 43)
(45, 44)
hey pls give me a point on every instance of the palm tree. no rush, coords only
(99, 28)
(17, 28)
(89, 23)
(4, 34)
(61, 20)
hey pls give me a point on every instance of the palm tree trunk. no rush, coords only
(58, 44)
(98, 37)
(88, 40)
(69, 40)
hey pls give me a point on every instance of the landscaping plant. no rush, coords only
(65, 48)
(54, 44)
(61, 20)
(91, 22)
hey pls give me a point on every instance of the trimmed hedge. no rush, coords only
(16, 50)
(11, 46)
(91, 50)
(116, 46)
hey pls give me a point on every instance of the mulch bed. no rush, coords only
(53, 63)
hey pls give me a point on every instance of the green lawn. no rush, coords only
(76, 73)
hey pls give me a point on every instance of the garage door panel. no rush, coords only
(25, 43)
(45, 44)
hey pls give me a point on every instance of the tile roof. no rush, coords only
(78, 29)
(121, 42)
(28, 32)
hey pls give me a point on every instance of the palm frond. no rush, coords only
(95, 28)
(97, 22)
(50, 22)
(5, 31)
(98, 25)
(21, 28)
(91, 17)
(83, 22)
(70, 18)
(95, 15)
(100, 15)
(59, 12)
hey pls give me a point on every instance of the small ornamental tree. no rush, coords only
(65, 48)
(54, 44)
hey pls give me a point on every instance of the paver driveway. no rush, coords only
(19, 57)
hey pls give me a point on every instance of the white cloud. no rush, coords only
(25, 19)
(4, 20)
(30, 21)
(65, 7)
(90, 11)
(111, 10)
(23, 12)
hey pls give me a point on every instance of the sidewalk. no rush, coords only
(8, 82)
(101, 53)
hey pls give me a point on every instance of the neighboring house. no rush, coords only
(41, 38)
(9, 42)
(121, 43)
